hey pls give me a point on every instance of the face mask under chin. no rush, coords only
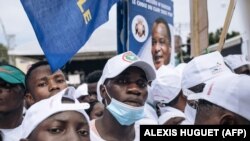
(123, 113)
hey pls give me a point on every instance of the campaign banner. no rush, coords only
(122, 34)
(142, 14)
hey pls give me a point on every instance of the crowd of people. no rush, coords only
(114, 102)
(127, 93)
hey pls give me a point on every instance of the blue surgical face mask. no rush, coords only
(123, 113)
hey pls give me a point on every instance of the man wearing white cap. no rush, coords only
(238, 63)
(123, 87)
(88, 89)
(60, 117)
(224, 101)
(197, 73)
(96, 107)
(82, 93)
(166, 91)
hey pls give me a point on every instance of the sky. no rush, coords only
(15, 21)
(217, 10)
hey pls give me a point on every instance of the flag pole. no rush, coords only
(194, 28)
(227, 22)
(199, 26)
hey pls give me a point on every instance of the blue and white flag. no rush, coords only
(62, 27)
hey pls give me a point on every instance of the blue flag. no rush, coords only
(62, 27)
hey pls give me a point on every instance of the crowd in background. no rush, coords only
(112, 103)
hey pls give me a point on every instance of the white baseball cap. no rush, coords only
(166, 86)
(236, 60)
(230, 91)
(203, 68)
(47, 107)
(180, 67)
(81, 90)
(170, 113)
(119, 63)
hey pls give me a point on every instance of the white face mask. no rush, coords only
(190, 113)
(123, 113)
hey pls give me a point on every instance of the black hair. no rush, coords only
(31, 69)
(163, 21)
(93, 76)
(208, 107)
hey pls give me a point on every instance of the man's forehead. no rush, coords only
(43, 68)
(58, 73)
(50, 76)
(162, 26)
(160, 35)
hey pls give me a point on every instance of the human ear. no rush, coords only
(227, 119)
(29, 100)
(102, 91)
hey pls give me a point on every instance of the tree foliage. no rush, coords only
(214, 37)
(3, 54)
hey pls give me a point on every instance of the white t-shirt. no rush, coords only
(190, 114)
(150, 118)
(95, 136)
(12, 134)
